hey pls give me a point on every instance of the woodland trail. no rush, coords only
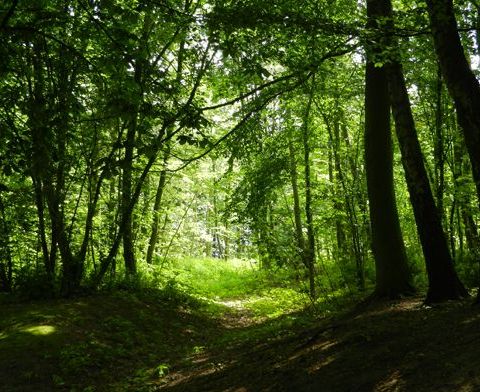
(125, 342)
(389, 346)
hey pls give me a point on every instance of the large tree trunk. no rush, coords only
(127, 212)
(439, 146)
(443, 280)
(393, 278)
(461, 82)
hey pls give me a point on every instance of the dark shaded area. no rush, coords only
(104, 342)
(393, 346)
(125, 342)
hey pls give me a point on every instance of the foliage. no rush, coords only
(106, 105)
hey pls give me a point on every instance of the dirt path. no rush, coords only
(393, 346)
(238, 316)
(123, 342)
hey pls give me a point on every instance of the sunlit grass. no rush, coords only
(217, 278)
(178, 312)
(39, 330)
(275, 302)
(35, 330)
(264, 294)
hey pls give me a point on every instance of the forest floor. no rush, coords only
(149, 341)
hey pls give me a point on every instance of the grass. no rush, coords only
(217, 278)
(132, 339)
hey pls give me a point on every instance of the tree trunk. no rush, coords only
(461, 82)
(442, 278)
(127, 212)
(156, 209)
(439, 146)
(393, 278)
(127, 237)
(297, 214)
(335, 177)
(6, 263)
(310, 245)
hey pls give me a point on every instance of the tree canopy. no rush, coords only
(134, 132)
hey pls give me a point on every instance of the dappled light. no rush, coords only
(239, 196)
(392, 382)
(39, 330)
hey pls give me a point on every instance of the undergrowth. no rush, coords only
(131, 333)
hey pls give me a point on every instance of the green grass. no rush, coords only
(216, 278)
(130, 337)
(265, 294)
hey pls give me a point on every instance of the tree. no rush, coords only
(393, 277)
(306, 246)
(443, 280)
(461, 82)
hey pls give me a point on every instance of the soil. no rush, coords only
(123, 343)
(388, 346)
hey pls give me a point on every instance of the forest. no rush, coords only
(220, 195)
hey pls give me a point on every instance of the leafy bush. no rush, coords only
(34, 284)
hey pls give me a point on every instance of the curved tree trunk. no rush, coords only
(393, 278)
(461, 82)
(443, 280)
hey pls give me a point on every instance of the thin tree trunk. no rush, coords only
(297, 214)
(6, 262)
(310, 245)
(156, 209)
(335, 177)
(48, 261)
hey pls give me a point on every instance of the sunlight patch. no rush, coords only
(471, 319)
(315, 347)
(393, 382)
(39, 330)
(317, 366)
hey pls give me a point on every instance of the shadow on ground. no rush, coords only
(395, 346)
(120, 342)
(109, 342)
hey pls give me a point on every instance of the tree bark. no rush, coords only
(156, 210)
(443, 280)
(297, 214)
(6, 262)
(310, 244)
(461, 82)
(127, 237)
(439, 146)
(393, 278)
